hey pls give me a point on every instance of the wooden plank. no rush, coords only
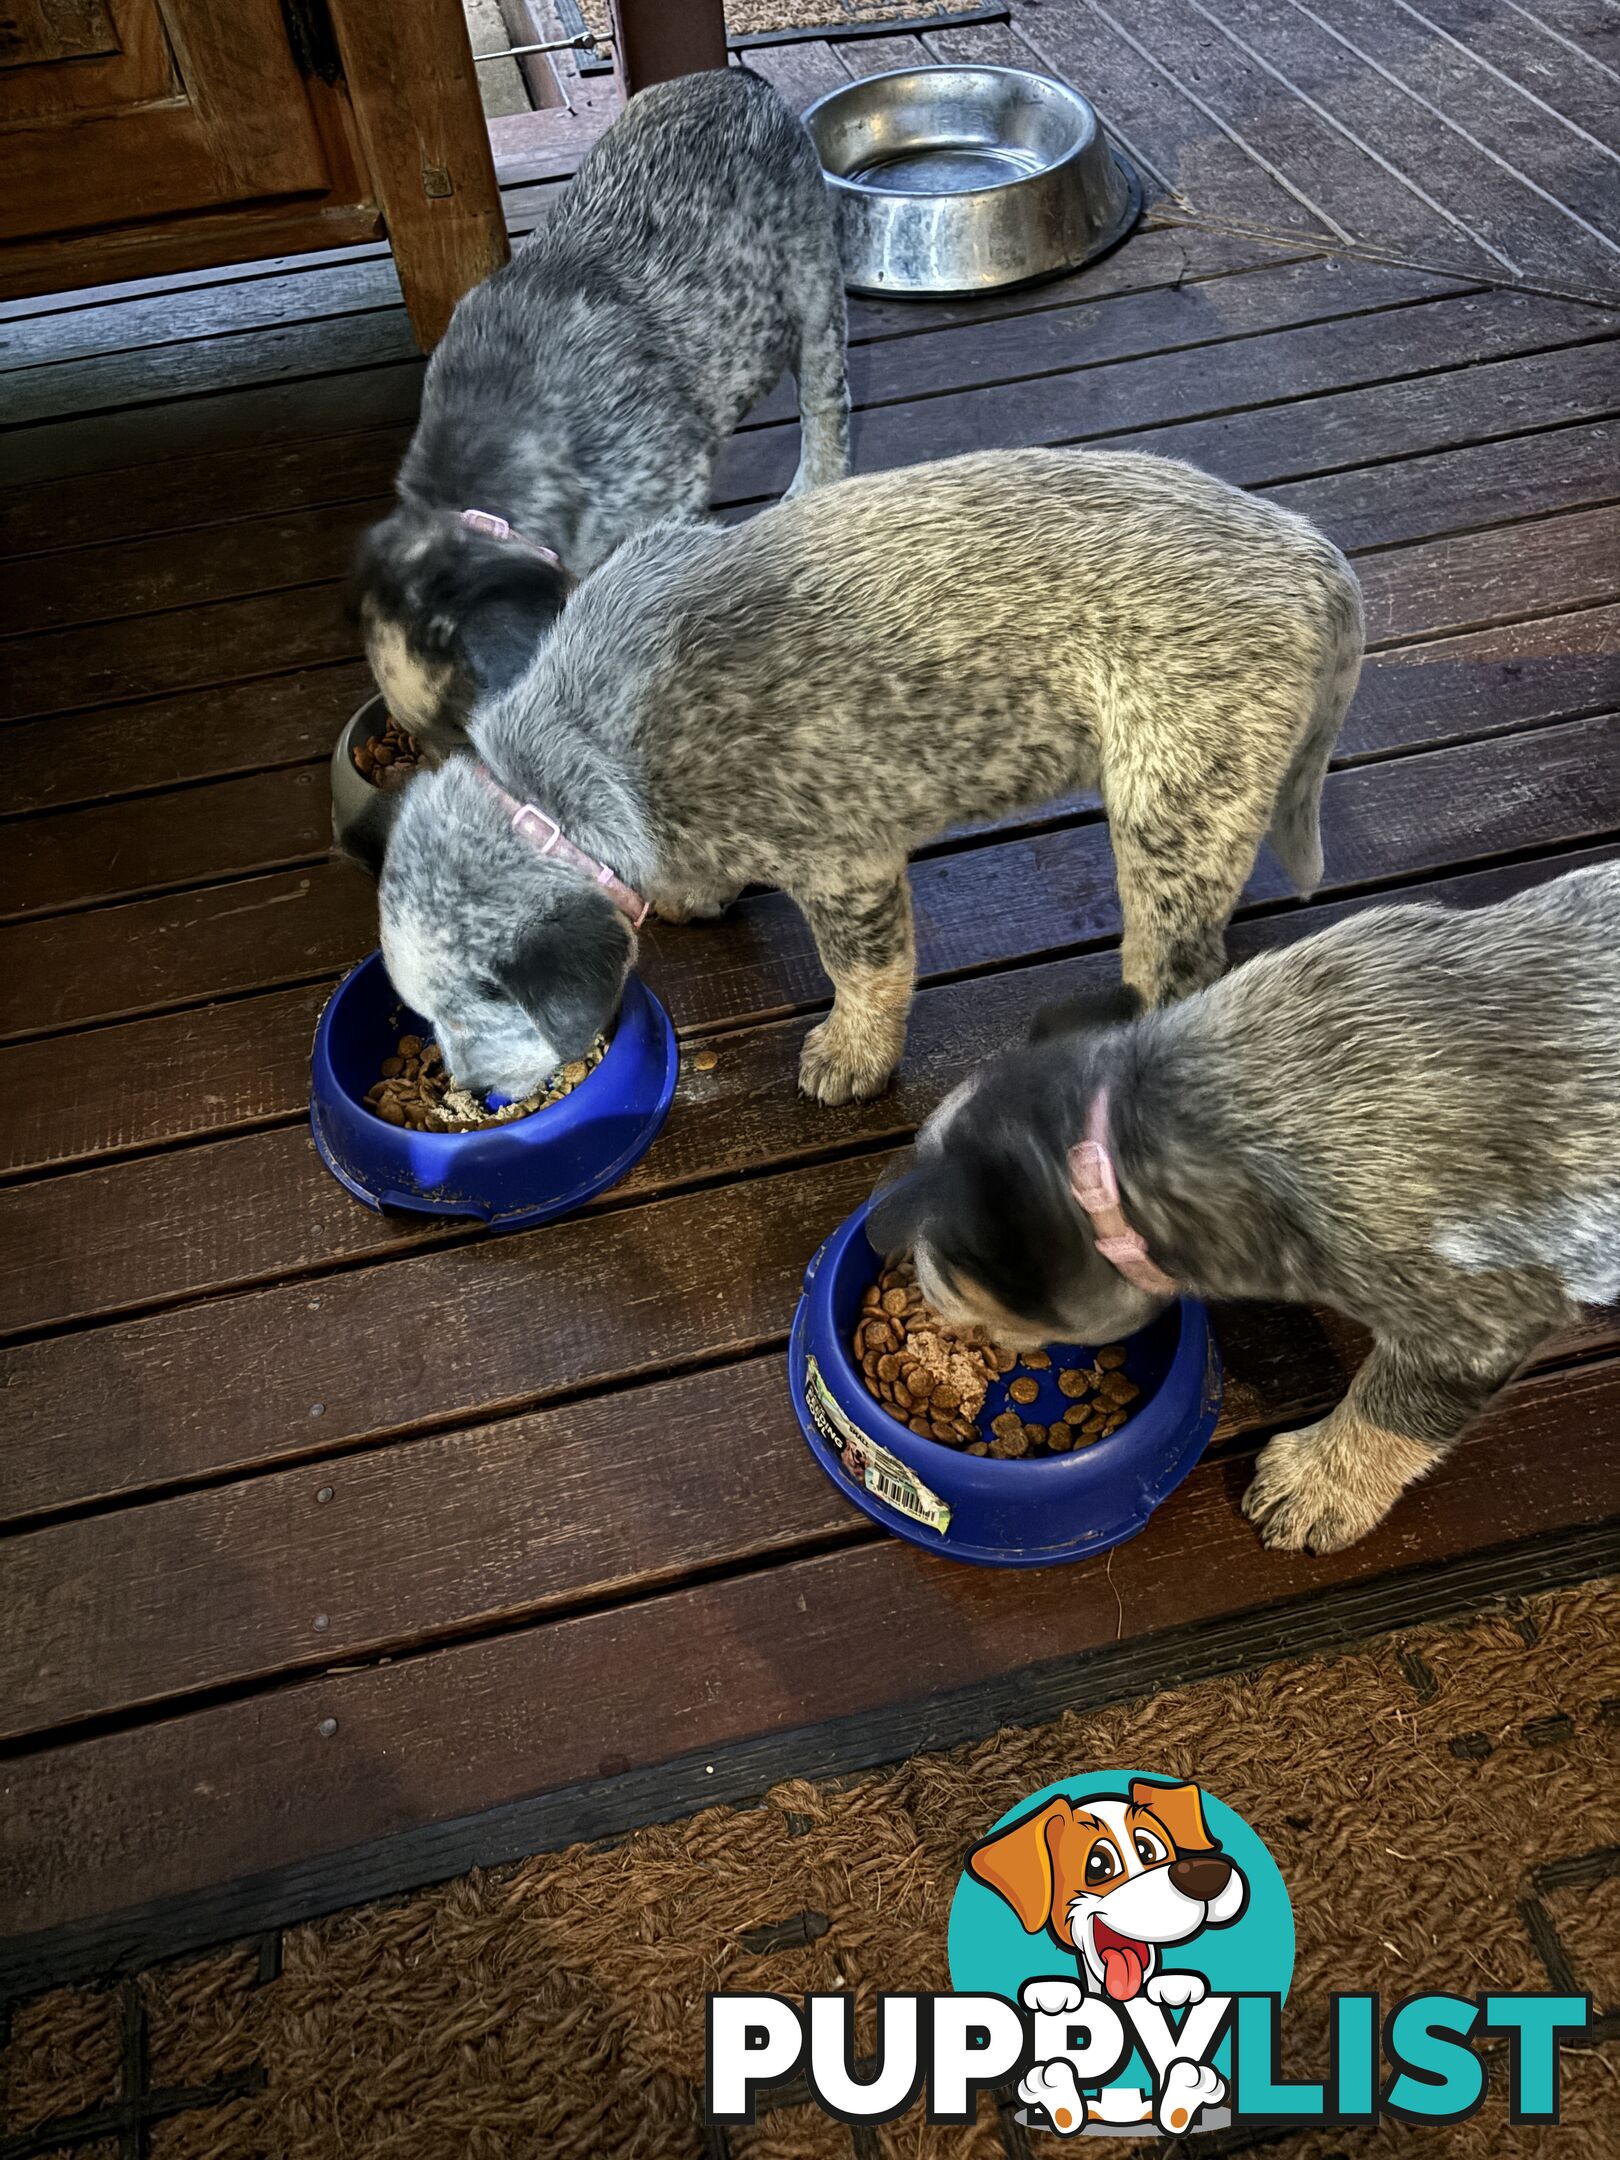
(277, 819)
(362, 284)
(150, 655)
(1410, 500)
(261, 1207)
(133, 575)
(1239, 67)
(1363, 61)
(111, 382)
(1084, 404)
(247, 1060)
(1160, 121)
(1587, 29)
(1505, 40)
(1561, 171)
(63, 669)
(184, 1804)
(78, 858)
(422, 1540)
(329, 404)
(801, 72)
(1394, 419)
(238, 483)
(168, 742)
(1475, 578)
(460, 1330)
(246, 1064)
(294, 926)
(267, 930)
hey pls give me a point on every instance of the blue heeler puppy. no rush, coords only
(584, 391)
(1413, 1117)
(801, 700)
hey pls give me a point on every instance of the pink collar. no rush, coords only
(496, 528)
(549, 837)
(1092, 1179)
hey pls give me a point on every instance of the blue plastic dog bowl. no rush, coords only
(1024, 1512)
(510, 1176)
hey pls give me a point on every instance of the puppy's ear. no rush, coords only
(1181, 1810)
(568, 970)
(508, 598)
(1016, 1863)
(1095, 1009)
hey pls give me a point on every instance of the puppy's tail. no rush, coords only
(1296, 824)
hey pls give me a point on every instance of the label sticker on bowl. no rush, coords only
(882, 1474)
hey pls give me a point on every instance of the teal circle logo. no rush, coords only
(1115, 1896)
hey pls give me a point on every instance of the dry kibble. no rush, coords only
(416, 1091)
(935, 1379)
(389, 759)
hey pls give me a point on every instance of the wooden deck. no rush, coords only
(340, 1554)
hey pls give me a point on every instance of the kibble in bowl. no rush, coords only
(413, 1088)
(966, 1392)
(390, 1126)
(978, 1453)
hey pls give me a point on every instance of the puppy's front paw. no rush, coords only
(1307, 1494)
(1175, 1990)
(1054, 2087)
(841, 1064)
(1052, 1998)
(1188, 2087)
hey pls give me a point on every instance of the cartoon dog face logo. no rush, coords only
(1115, 1881)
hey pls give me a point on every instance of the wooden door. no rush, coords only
(119, 111)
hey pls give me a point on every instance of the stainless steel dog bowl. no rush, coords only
(951, 181)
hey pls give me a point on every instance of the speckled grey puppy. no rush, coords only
(584, 391)
(1413, 1117)
(801, 700)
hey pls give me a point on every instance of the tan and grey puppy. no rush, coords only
(584, 391)
(801, 700)
(1413, 1117)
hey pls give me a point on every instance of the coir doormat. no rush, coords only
(1442, 1804)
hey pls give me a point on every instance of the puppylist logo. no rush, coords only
(1121, 1947)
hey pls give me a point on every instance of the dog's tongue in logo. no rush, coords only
(1124, 1962)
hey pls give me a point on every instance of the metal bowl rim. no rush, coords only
(1099, 137)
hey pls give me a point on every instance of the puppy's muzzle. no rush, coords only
(1202, 1876)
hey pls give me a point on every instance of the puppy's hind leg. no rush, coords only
(1322, 1488)
(1180, 870)
(822, 378)
(864, 937)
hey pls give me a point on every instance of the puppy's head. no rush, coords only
(986, 1205)
(448, 615)
(1114, 1879)
(517, 962)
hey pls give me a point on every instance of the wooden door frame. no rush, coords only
(395, 97)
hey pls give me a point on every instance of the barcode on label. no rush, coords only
(903, 1494)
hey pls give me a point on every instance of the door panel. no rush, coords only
(197, 106)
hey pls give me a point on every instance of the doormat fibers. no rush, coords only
(1414, 1792)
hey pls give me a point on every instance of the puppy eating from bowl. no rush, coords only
(801, 700)
(584, 391)
(1413, 1116)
